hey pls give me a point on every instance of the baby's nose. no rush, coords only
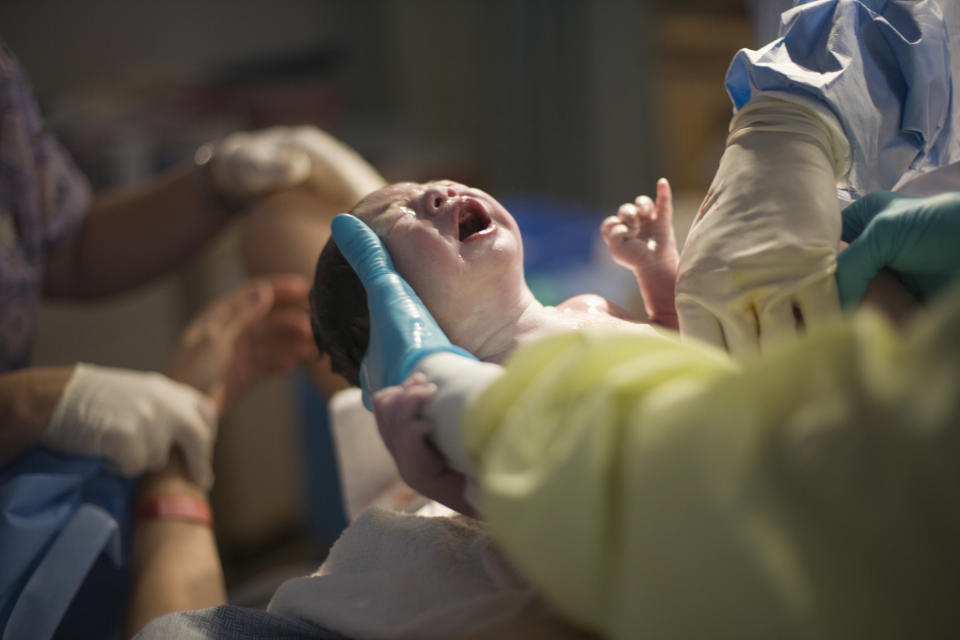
(437, 195)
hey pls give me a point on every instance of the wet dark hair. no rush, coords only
(338, 313)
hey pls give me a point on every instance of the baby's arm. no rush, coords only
(640, 237)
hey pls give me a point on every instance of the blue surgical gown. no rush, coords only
(886, 68)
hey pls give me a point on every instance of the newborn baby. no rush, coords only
(462, 253)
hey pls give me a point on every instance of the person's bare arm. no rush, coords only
(134, 235)
(27, 400)
(174, 564)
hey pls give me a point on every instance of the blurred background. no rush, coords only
(562, 109)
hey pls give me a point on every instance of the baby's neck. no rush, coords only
(526, 323)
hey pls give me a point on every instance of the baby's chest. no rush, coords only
(592, 311)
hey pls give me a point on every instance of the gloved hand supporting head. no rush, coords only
(402, 330)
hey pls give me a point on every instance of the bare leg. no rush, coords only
(285, 232)
(640, 237)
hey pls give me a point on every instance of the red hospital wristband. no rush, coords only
(178, 507)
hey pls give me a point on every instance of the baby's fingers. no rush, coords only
(629, 215)
(645, 209)
(614, 231)
(612, 227)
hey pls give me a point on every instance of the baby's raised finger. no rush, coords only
(664, 198)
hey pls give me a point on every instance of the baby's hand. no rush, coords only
(641, 234)
(641, 238)
(405, 432)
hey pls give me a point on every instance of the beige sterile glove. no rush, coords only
(132, 419)
(246, 165)
(760, 257)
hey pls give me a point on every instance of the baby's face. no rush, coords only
(453, 244)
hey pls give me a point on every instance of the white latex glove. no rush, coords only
(132, 419)
(765, 242)
(458, 380)
(250, 164)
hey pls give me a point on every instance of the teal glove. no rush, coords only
(402, 331)
(917, 238)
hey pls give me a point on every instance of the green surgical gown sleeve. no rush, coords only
(652, 489)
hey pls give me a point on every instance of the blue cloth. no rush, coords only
(232, 623)
(63, 547)
(886, 68)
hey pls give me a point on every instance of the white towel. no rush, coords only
(396, 575)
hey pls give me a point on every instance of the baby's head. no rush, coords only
(453, 244)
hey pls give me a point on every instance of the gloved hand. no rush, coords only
(132, 419)
(402, 331)
(765, 242)
(250, 164)
(917, 238)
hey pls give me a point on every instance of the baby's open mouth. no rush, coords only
(472, 219)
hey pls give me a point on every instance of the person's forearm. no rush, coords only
(27, 400)
(134, 235)
(174, 564)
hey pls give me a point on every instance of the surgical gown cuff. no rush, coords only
(459, 381)
(793, 113)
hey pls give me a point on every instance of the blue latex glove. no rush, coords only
(402, 331)
(917, 238)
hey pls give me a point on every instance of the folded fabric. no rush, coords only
(395, 575)
(63, 534)
(886, 68)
